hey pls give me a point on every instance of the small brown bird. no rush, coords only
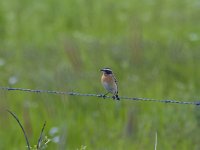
(109, 82)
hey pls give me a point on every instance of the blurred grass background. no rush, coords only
(152, 47)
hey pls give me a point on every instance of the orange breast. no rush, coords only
(109, 83)
(107, 78)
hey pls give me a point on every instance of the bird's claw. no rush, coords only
(115, 97)
(104, 96)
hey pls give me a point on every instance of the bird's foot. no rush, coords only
(104, 96)
(115, 97)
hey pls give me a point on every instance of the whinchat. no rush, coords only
(109, 82)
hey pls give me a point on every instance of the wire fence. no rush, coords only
(197, 103)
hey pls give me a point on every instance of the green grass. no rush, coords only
(152, 47)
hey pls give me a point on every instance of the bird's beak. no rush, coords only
(101, 69)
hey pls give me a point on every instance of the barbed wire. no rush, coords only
(197, 103)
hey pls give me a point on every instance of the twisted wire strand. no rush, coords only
(197, 103)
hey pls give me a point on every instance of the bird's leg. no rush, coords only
(104, 96)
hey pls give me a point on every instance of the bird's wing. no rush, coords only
(115, 82)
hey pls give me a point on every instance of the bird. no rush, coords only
(109, 82)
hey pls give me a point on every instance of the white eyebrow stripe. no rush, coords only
(107, 69)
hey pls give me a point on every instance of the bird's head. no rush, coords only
(106, 71)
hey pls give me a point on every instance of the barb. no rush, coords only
(197, 103)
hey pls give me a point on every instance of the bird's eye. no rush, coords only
(108, 72)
